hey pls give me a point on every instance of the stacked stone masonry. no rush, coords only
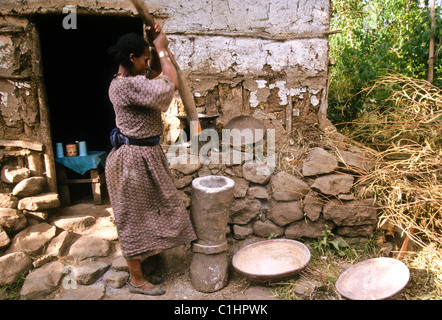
(272, 203)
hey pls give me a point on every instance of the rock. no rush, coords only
(242, 232)
(186, 163)
(257, 172)
(358, 212)
(32, 240)
(116, 279)
(42, 282)
(13, 266)
(11, 174)
(307, 228)
(92, 292)
(87, 272)
(286, 187)
(42, 260)
(29, 187)
(283, 213)
(333, 184)
(319, 161)
(183, 182)
(74, 224)
(244, 210)
(356, 231)
(313, 205)
(259, 192)
(59, 245)
(267, 228)
(7, 200)
(12, 220)
(105, 229)
(240, 188)
(355, 160)
(89, 247)
(346, 197)
(4, 239)
(39, 215)
(41, 202)
(120, 264)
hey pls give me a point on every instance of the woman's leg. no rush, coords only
(136, 275)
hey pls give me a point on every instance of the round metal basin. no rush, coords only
(373, 279)
(271, 260)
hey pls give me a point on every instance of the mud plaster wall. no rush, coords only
(240, 57)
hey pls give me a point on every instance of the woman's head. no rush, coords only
(132, 52)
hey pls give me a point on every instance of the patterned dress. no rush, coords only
(149, 213)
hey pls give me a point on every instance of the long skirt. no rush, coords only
(149, 213)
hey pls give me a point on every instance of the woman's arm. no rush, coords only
(161, 44)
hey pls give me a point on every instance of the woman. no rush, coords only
(150, 216)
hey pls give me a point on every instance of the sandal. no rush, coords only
(137, 289)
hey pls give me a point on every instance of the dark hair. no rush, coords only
(127, 44)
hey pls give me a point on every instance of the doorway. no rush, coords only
(77, 71)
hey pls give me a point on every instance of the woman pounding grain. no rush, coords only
(150, 216)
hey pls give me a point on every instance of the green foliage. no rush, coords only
(378, 36)
(328, 242)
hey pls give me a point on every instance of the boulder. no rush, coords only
(267, 228)
(307, 228)
(242, 232)
(244, 210)
(13, 266)
(240, 188)
(7, 200)
(183, 182)
(12, 220)
(313, 205)
(41, 202)
(60, 244)
(286, 187)
(33, 239)
(115, 279)
(354, 160)
(4, 239)
(29, 187)
(39, 215)
(352, 213)
(74, 223)
(186, 163)
(283, 213)
(257, 172)
(87, 272)
(333, 184)
(120, 264)
(42, 282)
(259, 192)
(89, 247)
(356, 231)
(319, 161)
(11, 174)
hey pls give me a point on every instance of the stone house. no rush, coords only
(264, 59)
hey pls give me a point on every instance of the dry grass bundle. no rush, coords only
(405, 136)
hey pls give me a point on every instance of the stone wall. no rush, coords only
(321, 191)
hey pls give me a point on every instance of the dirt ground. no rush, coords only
(176, 265)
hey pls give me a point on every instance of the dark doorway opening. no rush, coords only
(77, 71)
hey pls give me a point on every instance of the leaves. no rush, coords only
(378, 36)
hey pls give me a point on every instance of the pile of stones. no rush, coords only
(281, 204)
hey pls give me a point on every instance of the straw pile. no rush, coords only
(405, 135)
